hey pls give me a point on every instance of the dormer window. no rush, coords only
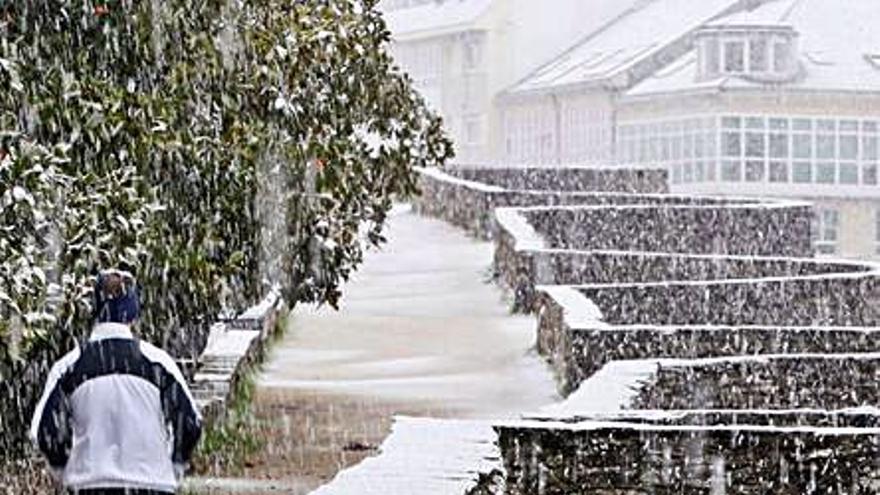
(760, 52)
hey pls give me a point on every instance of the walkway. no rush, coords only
(421, 332)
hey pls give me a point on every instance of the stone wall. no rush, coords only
(567, 178)
(471, 205)
(826, 300)
(823, 382)
(628, 234)
(637, 458)
(707, 306)
(576, 351)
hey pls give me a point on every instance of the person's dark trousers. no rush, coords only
(117, 491)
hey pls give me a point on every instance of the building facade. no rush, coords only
(753, 98)
(462, 53)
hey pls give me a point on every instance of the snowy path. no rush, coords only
(420, 332)
(422, 456)
(419, 322)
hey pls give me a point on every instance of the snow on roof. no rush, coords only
(836, 45)
(443, 16)
(770, 14)
(639, 32)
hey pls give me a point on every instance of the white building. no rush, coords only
(771, 98)
(462, 53)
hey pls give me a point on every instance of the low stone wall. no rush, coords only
(819, 381)
(567, 178)
(471, 205)
(822, 300)
(636, 458)
(577, 337)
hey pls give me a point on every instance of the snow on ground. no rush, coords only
(423, 456)
(419, 322)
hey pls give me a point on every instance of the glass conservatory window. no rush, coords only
(849, 173)
(826, 172)
(802, 172)
(778, 172)
(755, 171)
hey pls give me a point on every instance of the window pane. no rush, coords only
(731, 171)
(803, 145)
(676, 174)
(825, 146)
(802, 172)
(869, 148)
(758, 55)
(688, 146)
(731, 144)
(711, 170)
(779, 145)
(826, 125)
(779, 124)
(802, 124)
(826, 173)
(699, 173)
(849, 126)
(869, 126)
(849, 147)
(755, 123)
(781, 57)
(778, 172)
(734, 56)
(687, 172)
(731, 122)
(699, 146)
(710, 141)
(849, 173)
(713, 65)
(755, 145)
(754, 171)
(869, 175)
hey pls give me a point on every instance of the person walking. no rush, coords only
(116, 416)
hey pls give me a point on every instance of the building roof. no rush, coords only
(639, 32)
(839, 49)
(438, 17)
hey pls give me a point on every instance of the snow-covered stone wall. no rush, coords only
(568, 178)
(665, 456)
(703, 348)
(634, 242)
(470, 204)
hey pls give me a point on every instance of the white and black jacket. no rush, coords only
(116, 413)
